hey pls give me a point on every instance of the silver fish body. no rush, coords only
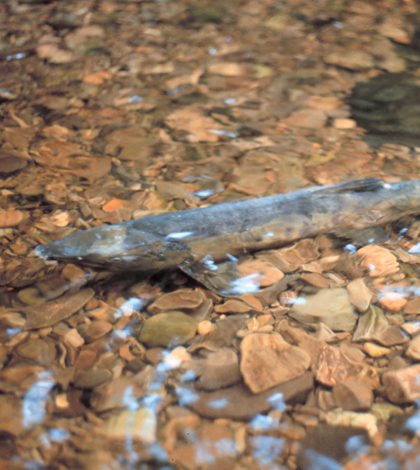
(177, 239)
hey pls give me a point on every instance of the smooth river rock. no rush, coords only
(329, 306)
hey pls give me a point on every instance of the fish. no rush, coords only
(195, 240)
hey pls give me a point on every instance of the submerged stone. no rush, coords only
(267, 360)
(168, 329)
(329, 306)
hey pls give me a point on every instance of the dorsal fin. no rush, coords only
(356, 186)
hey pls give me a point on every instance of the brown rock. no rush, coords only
(413, 349)
(182, 299)
(10, 218)
(334, 367)
(41, 351)
(239, 403)
(216, 369)
(350, 59)
(353, 395)
(267, 360)
(56, 310)
(359, 294)
(307, 118)
(373, 325)
(95, 330)
(402, 385)
(413, 306)
(378, 261)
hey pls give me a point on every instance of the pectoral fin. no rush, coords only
(222, 278)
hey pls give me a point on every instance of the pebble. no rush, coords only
(342, 123)
(95, 330)
(307, 118)
(140, 425)
(374, 350)
(329, 306)
(40, 350)
(353, 395)
(354, 419)
(10, 218)
(182, 299)
(412, 306)
(334, 366)
(393, 301)
(267, 360)
(374, 326)
(352, 60)
(359, 294)
(216, 369)
(378, 261)
(402, 385)
(239, 403)
(168, 329)
(413, 349)
(56, 310)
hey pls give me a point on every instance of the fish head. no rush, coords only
(116, 247)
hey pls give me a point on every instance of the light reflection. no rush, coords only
(356, 445)
(316, 461)
(415, 250)
(219, 404)
(186, 396)
(225, 133)
(244, 285)
(35, 400)
(14, 331)
(262, 423)
(131, 305)
(178, 235)
(266, 449)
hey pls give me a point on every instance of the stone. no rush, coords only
(239, 403)
(353, 395)
(168, 329)
(95, 330)
(412, 306)
(413, 349)
(182, 299)
(350, 59)
(374, 326)
(267, 360)
(374, 350)
(334, 366)
(402, 385)
(393, 301)
(10, 218)
(216, 369)
(366, 421)
(56, 310)
(139, 425)
(307, 118)
(377, 261)
(329, 306)
(359, 294)
(40, 350)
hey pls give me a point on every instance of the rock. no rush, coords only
(413, 349)
(182, 299)
(307, 118)
(353, 395)
(95, 330)
(139, 425)
(232, 306)
(216, 369)
(239, 403)
(41, 351)
(412, 306)
(10, 218)
(343, 123)
(393, 301)
(378, 261)
(359, 294)
(329, 306)
(267, 360)
(352, 60)
(11, 419)
(313, 346)
(366, 421)
(374, 326)
(168, 329)
(56, 310)
(334, 367)
(402, 385)
(374, 350)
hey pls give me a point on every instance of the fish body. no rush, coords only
(179, 239)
